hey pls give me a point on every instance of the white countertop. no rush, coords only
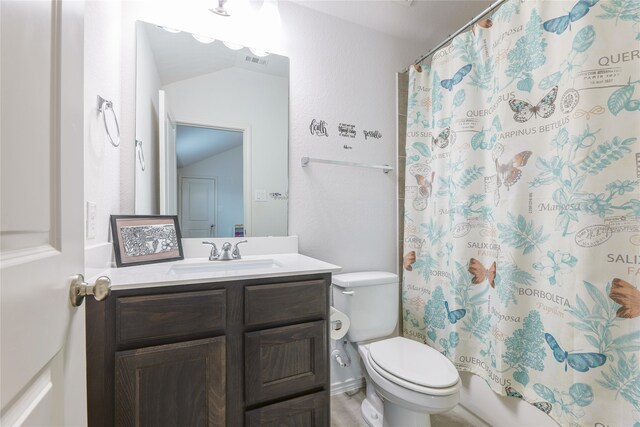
(201, 270)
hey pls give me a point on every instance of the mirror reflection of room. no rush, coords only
(209, 165)
(213, 124)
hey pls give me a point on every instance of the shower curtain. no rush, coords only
(522, 233)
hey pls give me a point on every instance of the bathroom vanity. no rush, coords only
(214, 348)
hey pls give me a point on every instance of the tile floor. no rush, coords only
(345, 412)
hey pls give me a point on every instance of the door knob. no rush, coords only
(100, 290)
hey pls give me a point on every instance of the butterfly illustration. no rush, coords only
(444, 138)
(581, 362)
(425, 187)
(509, 173)
(625, 294)
(559, 24)
(480, 273)
(524, 111)
(543, 406)
(457, 77)
(484, 23)
(454, 315)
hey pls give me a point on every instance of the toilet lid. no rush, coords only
(414, 362)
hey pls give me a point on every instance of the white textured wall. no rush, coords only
(343, 73)
(102, 161)
(147, 183)
(226, 168)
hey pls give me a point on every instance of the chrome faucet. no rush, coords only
(236, 250)
(214, 251)
(225, 253)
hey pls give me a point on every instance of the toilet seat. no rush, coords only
(414, 366)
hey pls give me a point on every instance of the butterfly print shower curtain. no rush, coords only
(522, 233)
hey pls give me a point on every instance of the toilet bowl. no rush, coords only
(412, 380)
(406, 380)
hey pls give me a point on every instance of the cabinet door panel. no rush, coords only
(305, 411)
(285, 302)
(283, 361)
(172, 385)
(149, 318)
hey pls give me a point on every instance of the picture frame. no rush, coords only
(146, 239)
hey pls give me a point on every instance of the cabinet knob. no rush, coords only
(100, 290)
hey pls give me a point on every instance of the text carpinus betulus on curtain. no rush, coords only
(522, 232)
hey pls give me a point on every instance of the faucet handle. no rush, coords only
(214, 250)
(236, 250)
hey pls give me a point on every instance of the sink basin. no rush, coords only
(234, 265)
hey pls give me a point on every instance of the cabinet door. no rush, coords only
(305, 411)
(172, 385)
(283, 361)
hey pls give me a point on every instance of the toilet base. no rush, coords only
(370, 414)
(389, 405)
(396, 416)
(392, 416)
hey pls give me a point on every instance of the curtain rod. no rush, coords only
(461, 30)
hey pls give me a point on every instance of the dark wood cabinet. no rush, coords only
(147, 318)
(283, 361)
(172, 385)
(305, 411)
(252, 352)
(285, 302)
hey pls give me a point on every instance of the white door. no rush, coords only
(198, 210)
(167, 158)
(42, 367)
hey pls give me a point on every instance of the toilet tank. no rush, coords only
(370, 300)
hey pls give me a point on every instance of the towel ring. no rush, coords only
(140, 152)
(103, 106)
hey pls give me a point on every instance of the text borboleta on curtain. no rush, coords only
(522, 232)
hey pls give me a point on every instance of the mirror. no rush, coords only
(212, 122)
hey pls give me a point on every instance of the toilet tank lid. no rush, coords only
(364, 278)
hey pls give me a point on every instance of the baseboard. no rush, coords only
(346, 386)
(469, 416)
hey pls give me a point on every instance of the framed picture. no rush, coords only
(144, 239)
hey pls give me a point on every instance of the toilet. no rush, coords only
(406, 380)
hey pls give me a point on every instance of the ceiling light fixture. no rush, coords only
(169, 29)
(203, 39)
(220, 10)
(233, 46)
(258, 52)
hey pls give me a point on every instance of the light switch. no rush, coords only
(261, 196)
